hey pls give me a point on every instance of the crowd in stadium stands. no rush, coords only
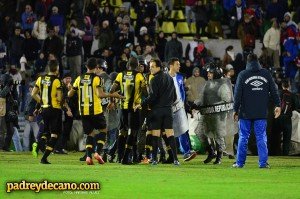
(35, 31)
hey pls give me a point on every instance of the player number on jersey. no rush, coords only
(86, 93)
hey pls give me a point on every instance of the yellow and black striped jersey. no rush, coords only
(131, 84)
(86, 86)
(48, 86)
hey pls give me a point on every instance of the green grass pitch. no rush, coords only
(190, 180)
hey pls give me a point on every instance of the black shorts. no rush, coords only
(91, 122)
(130, 119)
(160, 118)
(52, 120)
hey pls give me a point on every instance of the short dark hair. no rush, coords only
(91, 63)
(53, 64)
(172, 61)
(252, 57)
(157, 62)
(132, 63)
(285, 83)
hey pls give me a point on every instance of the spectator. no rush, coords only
(229, 4)
(236, 15)
(121, 63)
(149, 53)
(40, 30)
(126, 5)
(118, 25)
(62, 6)
(161, 42)
(92, 10)
(201, 17)
(28, 18)
(7, 28)
(189, 50)
(39, 65)
(122, 12)
(238, 64)
(16, 47)
(291, 26)
(297, 77)
(126, 19)
(272, 43)
(17, 78)
(173, 48)
(189, 4)
(74, 50)
(145, 9)
(142, 32)
(194, 84)
(53, 45)
(106, 36)
(2, 56)
(146, 40)
(275, 10)
(202, 55)
(30, 123)
(289, 56)
(107, 15)
(76, 13)
(246, 33)
(188, 68)
(42, 8)
(265, 60)
(132, 52)
(31, 48)
(228, 57)
(147, 23)
(215, 13)
(138, 50)
(122, 38)
(57, 21)
(88, 37)
(10, 119)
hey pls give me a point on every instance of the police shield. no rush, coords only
(216, 108)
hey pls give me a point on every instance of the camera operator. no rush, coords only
(9, 116)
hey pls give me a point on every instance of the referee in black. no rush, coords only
(161, 97)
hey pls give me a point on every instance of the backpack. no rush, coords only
(286, 103)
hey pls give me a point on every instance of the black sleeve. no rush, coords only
(153, 93)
